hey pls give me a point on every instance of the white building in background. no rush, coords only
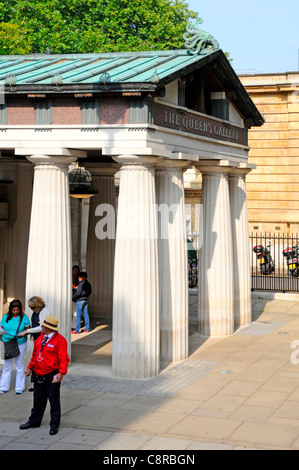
(149, 117)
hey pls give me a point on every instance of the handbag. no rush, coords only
(11, 348)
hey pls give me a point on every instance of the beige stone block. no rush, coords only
(220, 402)
(123, 441)
(264, 134)
(288, 188)
(178, 406)
(271, 153)
(279, 108)
(243, 388)
(270, 98)
(268, 144)
(276, 118)
(149, 423)
(288, 410)
(264, 205)
(295, 444)
(262, 398)
(276, 170)
(200, 392)
(253, 374)
(254, 413)
(275, 195)
(282, 384)
(164, 443)
(293, 107)
(265, 434)
(205, 427)
(262, 159)
(255, 178)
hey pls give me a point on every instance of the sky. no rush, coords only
(262, 36)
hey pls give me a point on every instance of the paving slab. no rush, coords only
(235, 393)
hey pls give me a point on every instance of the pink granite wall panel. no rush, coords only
(20, 111)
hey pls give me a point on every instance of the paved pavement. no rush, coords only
(240, 392)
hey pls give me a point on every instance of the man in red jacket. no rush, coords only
(49, 363)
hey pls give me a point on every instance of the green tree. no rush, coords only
(13, 40)
(77, 26)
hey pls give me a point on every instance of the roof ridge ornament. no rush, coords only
(57, 81)
(154, 78)
(198, 40)
(11, 81)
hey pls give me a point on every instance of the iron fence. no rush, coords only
(278, 277)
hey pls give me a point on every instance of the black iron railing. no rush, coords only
(277, 276)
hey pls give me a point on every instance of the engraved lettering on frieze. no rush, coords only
(188, 122)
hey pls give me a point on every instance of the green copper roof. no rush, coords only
(123, 72)
(89, 68)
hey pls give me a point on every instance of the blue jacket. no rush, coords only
(82, 292)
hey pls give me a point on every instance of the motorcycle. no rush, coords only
(192, 273)
(266, 263)
(192, 265)
(292, 258)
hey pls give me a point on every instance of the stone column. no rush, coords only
(135, 351)
(215, 292)
(173, 276)
(101, 240)
(241, 248)
(49, 250)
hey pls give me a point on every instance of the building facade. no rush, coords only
(148, 117)
(273, 187)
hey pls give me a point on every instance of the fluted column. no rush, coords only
(101, 240)
(135, 351)
(173, 284)
(215, 293)
(49, 250)
(241, 248)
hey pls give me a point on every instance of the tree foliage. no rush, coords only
(87, 26)
(13, 40)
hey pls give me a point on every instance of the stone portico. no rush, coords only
(148, 117)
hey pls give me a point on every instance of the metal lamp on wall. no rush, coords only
(80, 183)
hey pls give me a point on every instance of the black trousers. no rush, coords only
(42, 393)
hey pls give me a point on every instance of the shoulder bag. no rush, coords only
(11, 348)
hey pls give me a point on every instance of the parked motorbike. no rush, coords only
(192, 265)
(192, 273)
(266, 263)
(292, 258)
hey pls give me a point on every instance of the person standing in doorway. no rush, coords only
(80, 296)
(75, 273)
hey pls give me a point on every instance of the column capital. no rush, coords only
(167, 164)
(102, 169)
(50, 151)
(228, 167)
(48, 160)
(129, 159)
(242, 170)
(214, 166)
(141, 151)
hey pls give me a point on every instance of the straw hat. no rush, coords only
(50, 322)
